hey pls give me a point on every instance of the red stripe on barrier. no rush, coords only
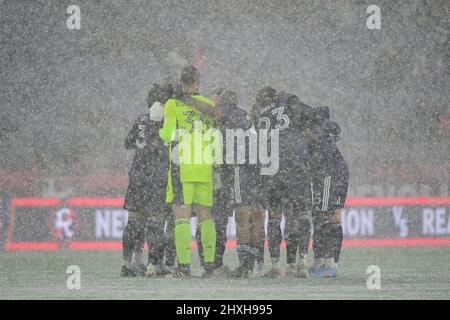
(34, 246)
(95, 245)
(118, 202)
(396, 242)
(92, 202)
(231, 244)
(35, 202)
(405, 201)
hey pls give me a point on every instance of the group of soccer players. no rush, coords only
(182, 167)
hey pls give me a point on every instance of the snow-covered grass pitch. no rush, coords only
(406, 273)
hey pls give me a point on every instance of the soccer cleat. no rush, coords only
(208, 271)
(127, 272)
(223, 271)
(291, 270)
(178, 275)
(259, 269)
(239, 273)
(151, 270)
(208, 274)
(302, 270)
(181, 272)
(274, 273)
(162, 271)
(324, 272)
(314, 268)
(140, 270)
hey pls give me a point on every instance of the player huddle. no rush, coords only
(210, 158)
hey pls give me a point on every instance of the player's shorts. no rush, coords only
(188, 193)
(329, 193)
(223, 195)
(200, 193)
(282, 192)
(246, 186)
(145, 193)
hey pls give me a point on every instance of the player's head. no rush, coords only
(264, 97)
(228, 97)
(215, 95)
(322, 114)
(290, 102)
(190, 79)
(334, 130)
(157, 97)
(160, 93)
(302, 114)
(177, 91)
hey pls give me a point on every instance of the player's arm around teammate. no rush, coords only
(143, 198)
(190, 183)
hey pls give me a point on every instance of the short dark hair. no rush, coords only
(323, 112)
(189, 75)
(159, 93)
(218, 91)
(229, 97)
(266, 93)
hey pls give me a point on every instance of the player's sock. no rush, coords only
(127, 242)
(244, 254)
(274, 232)
(183, 241)
(292, 244)
(221, 244)
(260, 257)
(303, 239)
(139, 240)
(329, 262)
(138, 248)
(208, 238)
(318, 262)
(333, 243)
(138, 258)
(252, 259)
(155, 239)
(319, 239)
(133, 240)
(169, 244)
(338, 237)
(198, 239)
(275, 263)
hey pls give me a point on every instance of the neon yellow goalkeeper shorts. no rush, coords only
(200, 193)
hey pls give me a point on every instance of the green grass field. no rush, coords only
(406, 273)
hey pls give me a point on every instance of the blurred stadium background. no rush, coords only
(68, 98)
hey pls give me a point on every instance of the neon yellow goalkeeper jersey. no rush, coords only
(178, 115)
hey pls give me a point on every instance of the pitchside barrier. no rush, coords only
(97, 223)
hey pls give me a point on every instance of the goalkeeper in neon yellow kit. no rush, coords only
(191, 159)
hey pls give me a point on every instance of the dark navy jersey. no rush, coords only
(151, 157)
(234, 117)
(237, 121)
(293, 151)
(326, 159)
